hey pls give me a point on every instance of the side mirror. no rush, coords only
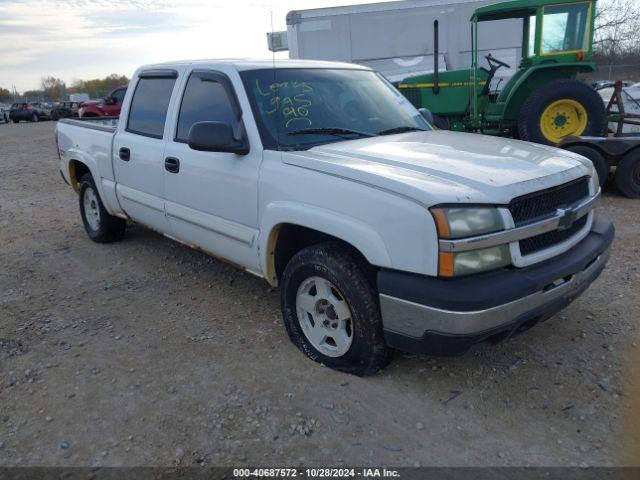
(427, 115)
(110, 101)
(215, 137)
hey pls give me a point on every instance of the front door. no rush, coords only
(212, 197)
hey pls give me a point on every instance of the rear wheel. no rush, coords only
(628, 174)
(600, 164)
(561, 109)
(331, 311)
(101, 226)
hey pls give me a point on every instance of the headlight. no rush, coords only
(461, 222)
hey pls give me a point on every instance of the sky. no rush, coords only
(84, 39)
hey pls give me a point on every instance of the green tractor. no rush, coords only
(543, 102)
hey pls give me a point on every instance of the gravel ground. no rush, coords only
(145, 352)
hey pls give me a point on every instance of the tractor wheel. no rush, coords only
(560, 109)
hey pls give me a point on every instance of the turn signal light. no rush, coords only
(445, 264)
(441, 222)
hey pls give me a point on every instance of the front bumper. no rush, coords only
(441, 316)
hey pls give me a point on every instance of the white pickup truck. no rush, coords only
(381, 232)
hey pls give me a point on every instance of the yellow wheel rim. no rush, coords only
(563, 118)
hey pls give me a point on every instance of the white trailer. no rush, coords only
(396, 38)
(78, 97)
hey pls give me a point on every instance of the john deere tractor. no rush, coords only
(543, 102)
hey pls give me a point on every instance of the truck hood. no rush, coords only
(441, 166)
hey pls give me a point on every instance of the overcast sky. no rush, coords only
(83, 39)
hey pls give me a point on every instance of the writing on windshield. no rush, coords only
(292, 100)
(302, 107)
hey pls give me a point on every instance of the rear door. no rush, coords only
(138, 149)
(212, 198)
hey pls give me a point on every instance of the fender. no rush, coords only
(106, 188)
(348, 229)
(526, 81)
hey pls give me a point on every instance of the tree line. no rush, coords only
(55, 89)
(616, 42)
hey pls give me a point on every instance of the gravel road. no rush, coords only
(145, 352)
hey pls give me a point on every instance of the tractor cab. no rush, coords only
(543, 101)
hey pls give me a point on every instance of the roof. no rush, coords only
(295, 16)
(257, 64)
(513, 9)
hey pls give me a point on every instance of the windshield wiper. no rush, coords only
(340, 132)
(402, 129)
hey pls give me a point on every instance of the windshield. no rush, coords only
(300, 108)
(564, 28)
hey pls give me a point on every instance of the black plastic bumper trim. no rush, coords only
(487, 290)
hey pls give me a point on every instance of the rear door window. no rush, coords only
(149, 106)
(204, 100)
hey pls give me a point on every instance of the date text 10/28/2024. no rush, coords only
(315, 473)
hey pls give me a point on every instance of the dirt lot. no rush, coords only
(145, 352)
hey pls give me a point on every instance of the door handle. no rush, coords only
(172, 164)
(125, 154)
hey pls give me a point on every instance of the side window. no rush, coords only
(204, 100)
(119, 95)
(149, 106)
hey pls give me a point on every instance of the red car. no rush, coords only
(107, 107)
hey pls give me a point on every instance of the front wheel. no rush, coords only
(35, 118)
(561, 109)
(101, 226)
(331, 311)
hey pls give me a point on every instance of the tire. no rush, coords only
(350, 285)
(560, 109)
(441, 123)
(99, 224)
(600, 164)
(16, 121)
(35, 118)
(55, 115)
(628, 174)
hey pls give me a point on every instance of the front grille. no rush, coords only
(549, 239)
(538, 205)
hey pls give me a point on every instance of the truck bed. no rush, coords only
(105, 124)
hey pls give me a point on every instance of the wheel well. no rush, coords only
(288, 239)
(77, 170)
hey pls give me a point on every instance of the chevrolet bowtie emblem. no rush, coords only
(567, 217)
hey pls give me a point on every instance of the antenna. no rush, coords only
(275, 82)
